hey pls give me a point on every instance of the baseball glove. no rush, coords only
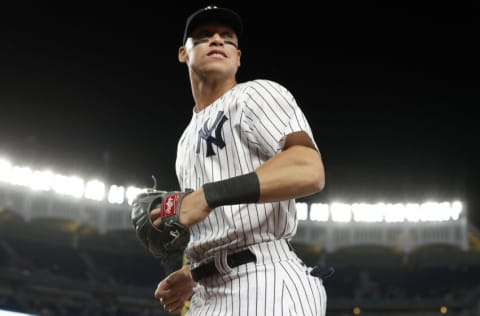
(169, 239)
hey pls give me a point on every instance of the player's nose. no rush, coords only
(216, 39)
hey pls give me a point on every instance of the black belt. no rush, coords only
(234, 260)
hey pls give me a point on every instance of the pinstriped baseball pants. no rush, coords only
(277, 284)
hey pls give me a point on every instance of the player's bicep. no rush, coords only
(300, 138)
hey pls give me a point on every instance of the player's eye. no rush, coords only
(202, 34)
(227, 34)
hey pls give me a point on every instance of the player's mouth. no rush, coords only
(216, 52)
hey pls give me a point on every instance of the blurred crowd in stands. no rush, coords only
(49, 279)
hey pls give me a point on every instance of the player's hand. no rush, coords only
(175, 289)
(193, 210)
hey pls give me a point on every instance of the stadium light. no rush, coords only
(74, 186)
(11, 313)
(302, 210)
(20, 176)
(319, 212)
(5, 169)
(95, 190)
(386, 212)
(341, 212)
(132, 193)
(41, 180)
(116, 194)
(395, 213)
(371, 213)
(457, 207)
(412, 212)
(439, 212)
(71, 186)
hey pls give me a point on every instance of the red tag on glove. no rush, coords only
(169, 205)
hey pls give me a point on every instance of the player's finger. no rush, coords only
(171, 281)
(162, 290)
(157, 221)
(171, 300)
(159, 294)
(166, 296)
(174, 307)
(155, 213)
(175, 279)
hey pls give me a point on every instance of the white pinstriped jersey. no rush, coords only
(233, 136)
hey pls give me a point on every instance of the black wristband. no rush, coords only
(236, 190)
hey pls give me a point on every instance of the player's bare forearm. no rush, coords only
(295, 172)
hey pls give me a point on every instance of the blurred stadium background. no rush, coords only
(67, 248)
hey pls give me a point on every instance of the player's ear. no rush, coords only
(239, 54)
(182, 54)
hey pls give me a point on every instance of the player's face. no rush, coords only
(212, 49)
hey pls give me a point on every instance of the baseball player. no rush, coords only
(247, 153)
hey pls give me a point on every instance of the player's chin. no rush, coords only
(220, 67)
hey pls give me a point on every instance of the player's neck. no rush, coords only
(205, 93)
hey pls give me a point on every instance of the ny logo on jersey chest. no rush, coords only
(205, 133)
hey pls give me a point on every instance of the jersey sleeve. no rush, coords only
(270, 114)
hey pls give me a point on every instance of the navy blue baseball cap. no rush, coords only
(213, 14)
